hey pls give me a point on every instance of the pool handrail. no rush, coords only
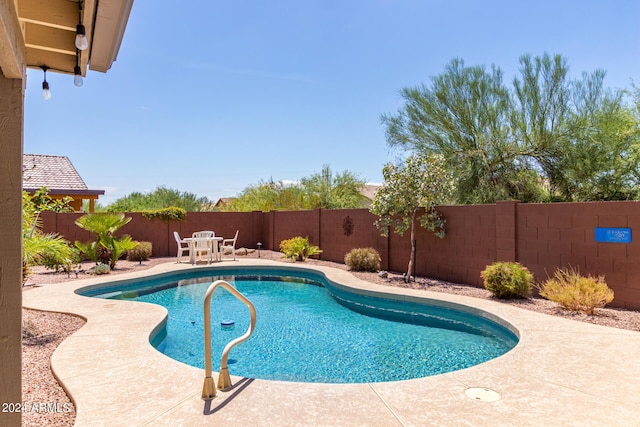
(224, 379)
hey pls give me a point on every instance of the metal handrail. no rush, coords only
(224, 380)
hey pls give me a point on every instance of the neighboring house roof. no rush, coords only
(224, 201)
(369, 190)
(54, 172)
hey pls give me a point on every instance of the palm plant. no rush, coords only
(106, 247)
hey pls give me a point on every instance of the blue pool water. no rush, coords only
(311, 330)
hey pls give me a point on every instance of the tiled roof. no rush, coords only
(370, 190)
(53, 172)
(222, 201)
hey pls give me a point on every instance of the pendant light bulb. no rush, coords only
(77, 76)
(81, 37)
(46, 93)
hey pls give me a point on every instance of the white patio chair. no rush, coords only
(230, 244)
(183, 246)
(202, 244)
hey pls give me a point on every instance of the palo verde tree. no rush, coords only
(326, 191)
(423, 182)
(268, 196)
(320, 190)
(464, 116)
(548, 137)
(579, 135)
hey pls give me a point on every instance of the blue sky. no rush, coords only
(212, 96)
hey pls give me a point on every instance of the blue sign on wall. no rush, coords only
(613, 235)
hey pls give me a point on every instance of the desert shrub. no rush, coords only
(507, 280)
(575, 292)
(363, 259)
(171, 213)
(142, 252)
(298, 248)
(53, 261)
(29, 329)
(102, 268)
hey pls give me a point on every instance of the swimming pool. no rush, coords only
(310, 329)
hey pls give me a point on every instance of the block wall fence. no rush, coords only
(542, 237)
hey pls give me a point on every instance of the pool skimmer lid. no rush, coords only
(482, 394)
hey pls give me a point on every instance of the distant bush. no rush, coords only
(575, 292)
(507, 280)
(298, 248)
(171, 213)
(363, 259)
(142, 252)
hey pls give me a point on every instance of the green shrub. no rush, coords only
(171, 213)
(575, 292)
(54, 261)
(106, 247)
(142, 252)
(298, 248)
(363, 259)
(507, 280)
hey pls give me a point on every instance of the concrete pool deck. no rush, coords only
(562, 372)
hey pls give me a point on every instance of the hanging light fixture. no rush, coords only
(77, 71)
(46, 93)
(77, 76)
(81, 37)
(81, 33)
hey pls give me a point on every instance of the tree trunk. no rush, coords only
(413, 243)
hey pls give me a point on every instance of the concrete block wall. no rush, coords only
(468, 247)
(556, 235)
(543, 237)
(342, 230)
(288, 224)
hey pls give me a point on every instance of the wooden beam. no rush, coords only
(58, 62)
(88, 14)
(50, 49)
(12, 49)
(51, 39)
(49, 27)
(62, 14)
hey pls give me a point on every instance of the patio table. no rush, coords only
(214, 242)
